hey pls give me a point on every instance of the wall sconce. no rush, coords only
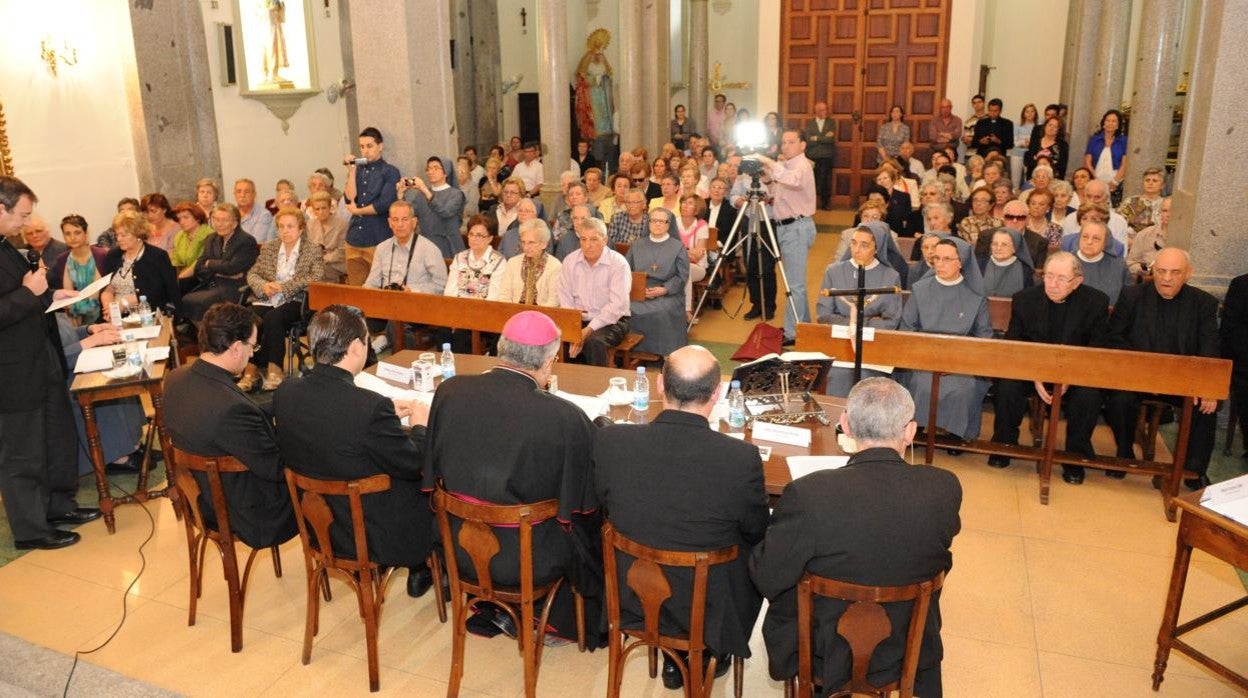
(51, 56)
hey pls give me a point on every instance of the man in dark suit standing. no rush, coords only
(1235, 346)
(1062, 311)
(993, 132)
(677, 485)
(38, 442)
(330, 429)
(844, 524)
(821, 147)
(207, 415)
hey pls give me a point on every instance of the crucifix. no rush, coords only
(717, 83)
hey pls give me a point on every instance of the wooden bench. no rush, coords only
(443, 311)
(629, 359)
(1061, 365)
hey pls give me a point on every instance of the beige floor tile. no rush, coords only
(986, 595)
(56, 610)
(989, 496)
(156, 646)
(1064, 676)
(978, 668)
(333, 674)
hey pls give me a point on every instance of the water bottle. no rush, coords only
(447, 361)
(114, 314)
(134, 357)
(736, 406)
(641, 391)
(147, 318)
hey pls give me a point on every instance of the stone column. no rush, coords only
(1152, 99)
(178, 131)
(1080, 121)
(478, 73)
(552, 100)
(1208, 220)
(405, 87)
(629, 96)
(1111, 58)
(348, 71)
(1070, 53)
(650, 74)
(661, 103)
(699, 73)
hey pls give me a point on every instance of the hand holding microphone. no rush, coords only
(37, 278)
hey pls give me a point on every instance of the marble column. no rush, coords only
(1070, 53)
(348, 70)
(650, 73)
(661, 103)
(1111, 58)
(699, 50)
(1152, 96)
(478, 73)
(176, 140)
(629, 95)
(1082, 56)
(552, 100)
(1208, 220)
(405, 86)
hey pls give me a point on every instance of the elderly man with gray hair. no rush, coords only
(843, 524)
(596, 280)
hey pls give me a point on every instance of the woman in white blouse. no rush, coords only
(694, 233)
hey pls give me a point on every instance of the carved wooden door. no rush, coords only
(862, 57)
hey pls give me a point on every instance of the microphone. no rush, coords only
(32, 258)
(855, 291)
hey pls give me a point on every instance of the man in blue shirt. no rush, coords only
(371, 188)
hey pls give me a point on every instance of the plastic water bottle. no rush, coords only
(447, 361)
(736, 406)
(134, 357)
(114, 314)
(641, 390)
(147, 318)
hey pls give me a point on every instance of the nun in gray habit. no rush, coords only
(663, 258)
(882, 311)
(953, 305)
(1008, 268)
(439, 205)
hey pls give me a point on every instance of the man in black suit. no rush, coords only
(1235, 346)
(993, 132)
(1062, 311)
(207, 415)
(221, 269)
(677, 485)
(38, 442)
(820, 136)
(845, 524)
(1167, 317)
(330, 429)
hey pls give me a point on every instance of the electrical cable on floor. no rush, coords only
(151, 533)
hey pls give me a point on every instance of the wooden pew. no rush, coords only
(442, 311)
(1111, 369)
(629, 359)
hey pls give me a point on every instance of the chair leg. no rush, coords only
(236, 599)
(580, 621)
(435, 567)
(325, 588)
(789, 690)
(311, 620)
(738, 676)
(527, 640)
(653, 653)
(459, 616)
(195, 576)
(277, 562)
(369, 604)
(615, 669)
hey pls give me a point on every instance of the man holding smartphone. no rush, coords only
(370, 189)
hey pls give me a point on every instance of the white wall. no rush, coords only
(70, 134)
(518, 55)
(251, 139)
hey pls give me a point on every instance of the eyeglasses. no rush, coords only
(1015, 217)
(1059, 279)
(253, 347)
(639, 180)
(660, 221)
(480, 235)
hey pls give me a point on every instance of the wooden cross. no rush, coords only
(717, 83)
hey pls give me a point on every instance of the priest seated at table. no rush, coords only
(596, 280)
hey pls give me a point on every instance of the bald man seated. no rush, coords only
(1169, 317)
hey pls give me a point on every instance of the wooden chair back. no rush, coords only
(478, 541)
(906, 245)
(637, 291)
(864, 625)
(999, 314)
(712, 239)
(648, 581)
(199, 532)
(623, 247)
(366, 578)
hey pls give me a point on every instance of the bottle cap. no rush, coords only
(641, 369)
(446, 346)
(736, 384)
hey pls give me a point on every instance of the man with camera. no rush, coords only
(792, 190)
(371, 188)
(407, 261)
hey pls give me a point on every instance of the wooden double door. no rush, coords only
(862, 57)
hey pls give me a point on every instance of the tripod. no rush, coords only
(756, 211)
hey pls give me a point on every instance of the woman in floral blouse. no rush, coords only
(472, 270)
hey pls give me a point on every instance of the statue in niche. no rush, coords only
(594, 100)
(275, 57)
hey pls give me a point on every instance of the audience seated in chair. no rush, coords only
(596, 281)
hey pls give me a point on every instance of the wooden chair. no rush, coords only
(864, 625)
(366, 578)
(647, 580)
(636, 292)
(715, 294)
(198, 533)
(999, 314)
(623, 247)
(905, 244)
(477, 540)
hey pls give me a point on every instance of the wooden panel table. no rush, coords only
(90, 388)
(1222, 538)
(592, 380)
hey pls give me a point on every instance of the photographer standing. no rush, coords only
(371, 183)
(792, 190)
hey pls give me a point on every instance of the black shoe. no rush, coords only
(1198, 482)
(1072, 474)
(769, 314)
(754, 313)
(1116, 474)
(788, 341)
(954, 451)
(481, 623)
(722, 664)
(130, 467)
(80, 515)
(672, 680)
(419, 582)
(996, 461)
(502, 620)
(52, 541)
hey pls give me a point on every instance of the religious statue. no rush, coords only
(594, 101)
(275, 51)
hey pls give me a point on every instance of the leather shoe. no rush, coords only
(52, 541)
(1198, 482)
(419, 582)
(1072, 474)
(998, 461)
(502, 620)
(672, 680)
(754, 313)
(80, 515)
(1116, 474)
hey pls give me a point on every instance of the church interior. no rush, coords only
(106, 99)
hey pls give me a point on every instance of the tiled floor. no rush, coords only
(1057, 600)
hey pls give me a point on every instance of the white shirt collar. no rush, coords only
(1003, 263)
(1089, 260)
(875, 262)
(942, 282)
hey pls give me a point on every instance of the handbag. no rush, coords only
(764, 339)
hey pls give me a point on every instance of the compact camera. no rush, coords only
(393, 287)
(409, 181)
(354, 161)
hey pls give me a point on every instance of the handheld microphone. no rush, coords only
(32, 258)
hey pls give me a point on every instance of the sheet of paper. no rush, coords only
(757, 408)
(847, 332)
(101, 358)
(368, 381)
(1228, 498)
(155, 354)
(870, 367)
(150, 332)
(794, 436)
(592, 405)
(805, 465)
(92, 288)
(394, 373)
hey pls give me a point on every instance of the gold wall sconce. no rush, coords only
(53, 56)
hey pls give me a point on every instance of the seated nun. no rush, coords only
(660, 316)
(1008, 268)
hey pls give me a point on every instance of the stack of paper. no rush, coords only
(1228, 498)
(805, 465)
(593, 406)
